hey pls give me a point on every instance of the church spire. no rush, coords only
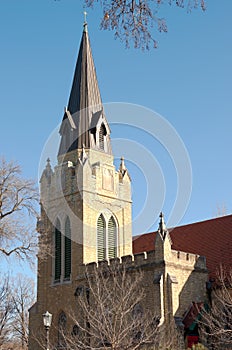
(85, 91)
(85, 103)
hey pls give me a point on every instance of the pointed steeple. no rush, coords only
(85, 91)
(84, 106)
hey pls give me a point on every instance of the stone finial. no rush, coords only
(162, 226)
(48, 171)
(123, 170)
(48, 167)
(122, 167)
(83, 155)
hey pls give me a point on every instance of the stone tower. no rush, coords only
(86, 219)
(85, 201)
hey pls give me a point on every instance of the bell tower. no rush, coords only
(85, 200)
(84, 187)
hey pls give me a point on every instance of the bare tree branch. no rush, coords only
(216, 323)
(134, 20)
(6, 310)
(110, 313)
(23, 297)
(16, 296)
(18, 207)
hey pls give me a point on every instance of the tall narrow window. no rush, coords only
(67, 250)
(57, 251)
(112, 238)
(107, 237)
(102, 133)
(101, 238)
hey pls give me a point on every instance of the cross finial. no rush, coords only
(85, 21)
(85, 16)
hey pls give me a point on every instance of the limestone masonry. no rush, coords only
(86, 218)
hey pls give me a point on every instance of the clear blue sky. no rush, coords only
(187, 80)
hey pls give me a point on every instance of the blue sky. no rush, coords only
(187, 80)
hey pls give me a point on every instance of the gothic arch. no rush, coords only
(101, 238)
(107, 236)
(62, 242)
(112, 238)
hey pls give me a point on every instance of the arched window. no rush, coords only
(102, 133)
(62, 252)
(62, 321)
(112, 238)
(67, 249)
(58, 251)
(101, 238)
(106, 237)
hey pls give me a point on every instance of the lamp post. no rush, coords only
(47, 321)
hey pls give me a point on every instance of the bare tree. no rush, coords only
(16, 296)
(23, 297)
(6, 310)
(133, 20)
(216, 323)
(110, 313)
(18, 201)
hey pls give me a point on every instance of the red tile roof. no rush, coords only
(210, 238)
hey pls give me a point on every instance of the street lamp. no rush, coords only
(47, 321)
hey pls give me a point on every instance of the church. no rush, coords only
(86, 216)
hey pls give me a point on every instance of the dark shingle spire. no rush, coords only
(85, 105)
(85, 91)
